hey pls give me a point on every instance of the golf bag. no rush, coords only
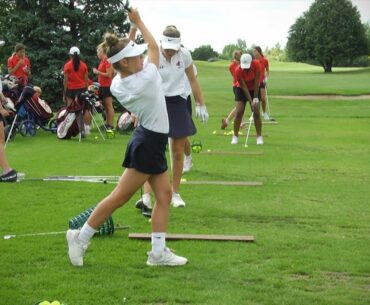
(107, 228)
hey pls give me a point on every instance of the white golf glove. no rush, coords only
(255, 101)
(201, 113)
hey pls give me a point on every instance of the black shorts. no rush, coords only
(105, 92)
(73, 93)
(263, 85)
(146, 151)
(181, 123)
(240, 96)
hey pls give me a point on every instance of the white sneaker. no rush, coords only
(234, 140)
(260, 140)
(177, 201)
(76, 248)
(188, 164)
(166, 258)
(266, 116)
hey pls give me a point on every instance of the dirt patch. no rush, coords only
(323, 97)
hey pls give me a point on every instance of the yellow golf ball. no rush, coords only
(55, 303)
(45, 303)
(214, 132)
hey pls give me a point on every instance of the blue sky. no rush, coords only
(220, 22)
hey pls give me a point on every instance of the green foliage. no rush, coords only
(227, 51)
(329, 33)
(205, 52)
(50, 28)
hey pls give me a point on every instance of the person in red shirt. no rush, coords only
(257, 53)
(232, 68)
(248, 75)
(19, 64)
(76, 81)
(105, 75)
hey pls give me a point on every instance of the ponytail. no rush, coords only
(75, 61)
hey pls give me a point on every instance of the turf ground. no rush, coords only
(311, 217)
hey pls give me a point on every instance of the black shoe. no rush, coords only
(10, 176)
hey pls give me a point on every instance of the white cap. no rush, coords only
(2, 43)
(170, 43)
(130, 50)
(74, 50)
(245, 61)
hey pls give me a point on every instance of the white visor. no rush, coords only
(130, 50)
(171, 43)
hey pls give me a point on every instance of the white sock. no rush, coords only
(146, 199)
(158, 242)
(86, 233)
(187, 158)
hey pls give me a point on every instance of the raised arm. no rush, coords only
(153, 50)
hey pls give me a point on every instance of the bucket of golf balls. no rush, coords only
(196, 146)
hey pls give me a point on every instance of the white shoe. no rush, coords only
(266, 116)
(260, 140)
(76, 248)
(188, 164)
(166, 258)
(234, 140)
(177, 201)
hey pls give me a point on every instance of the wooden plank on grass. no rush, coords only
(232, 183)
(233, 153)
(226, 134)
(245, 238)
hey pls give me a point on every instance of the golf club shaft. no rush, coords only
(52, 233)
(11, 130)
(249, 128)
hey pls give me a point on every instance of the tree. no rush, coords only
(50, 28)
(204, 53)
(228, 50)
(328, 33)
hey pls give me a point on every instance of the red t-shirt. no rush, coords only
(232, 68)
(19, 73)
(75, 79)
(249, 75)
(264, 66)
(104, 81)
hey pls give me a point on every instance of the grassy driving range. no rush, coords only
(310, 219)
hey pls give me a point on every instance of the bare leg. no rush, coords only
(240, 107)
(187, 148)
(128, 184)
(108, 105)
(178, 146)
(263, 99)
(162, 191)
(257, 119)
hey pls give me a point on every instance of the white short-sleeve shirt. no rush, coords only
(142, 94)
(172, 72)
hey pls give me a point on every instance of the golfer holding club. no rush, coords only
(248, 75)
(175, 63)
(138, 88)
(257, 53)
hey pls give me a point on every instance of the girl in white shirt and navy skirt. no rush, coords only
(175, 63)
(138, 88)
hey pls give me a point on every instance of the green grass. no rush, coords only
(311, 218)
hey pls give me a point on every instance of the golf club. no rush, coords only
(249, 128)
(10, 236)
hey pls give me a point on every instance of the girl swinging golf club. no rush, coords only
(138, 88)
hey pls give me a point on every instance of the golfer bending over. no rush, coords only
(248, 75)
(138, 88)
